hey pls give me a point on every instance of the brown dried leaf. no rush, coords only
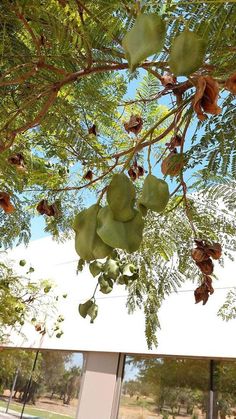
(134, 125)
(5, 203)
(230, 84)
(206, 96)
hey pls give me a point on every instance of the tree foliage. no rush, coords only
(68, 122)
(24, 299)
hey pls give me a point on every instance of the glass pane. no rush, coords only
(50, 391)
(225, 389)
(164, 388)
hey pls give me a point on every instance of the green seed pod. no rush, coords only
(126, 236)
(129, 269)
(187, 53)
(106, 284)
(112, 269)
(93, 312)
(95, 268)
(88, 244)
(155, 195)
(84, 308)
(22, 262)
(121, 197)
(146, 38)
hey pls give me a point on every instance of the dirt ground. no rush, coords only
(54, 405)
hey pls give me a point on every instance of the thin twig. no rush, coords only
(77, 188)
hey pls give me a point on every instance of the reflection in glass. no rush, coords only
(224, 389)
(43, 384)
(165, 388)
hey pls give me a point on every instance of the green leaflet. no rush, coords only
(155, 195)
(146, 38)
(187, 53)
(88, 244)
(126, 236)
(121, 197)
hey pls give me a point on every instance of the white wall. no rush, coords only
(186, 328)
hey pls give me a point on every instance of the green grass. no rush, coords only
(45, 414)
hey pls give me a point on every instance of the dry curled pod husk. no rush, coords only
(18, 161)
(206, 266)
(5, 203)
(199, 255)
(230, 84)
(214, 250)
(140, 171)
(93, 130)
(173, 164)
(177, 141)
(88, 175)
(45, 209)
(132, 174)
(134, 125)
(205, 98)
(202, 292)
(168, 80)
(208, 283)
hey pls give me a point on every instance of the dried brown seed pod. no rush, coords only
(132, 174)
(200, 244)
(176, 141)
(18, 161)
(93, 130)
(88, 175)
(38, 327)
(206, 266)
(230, 84)
(199, 255)
(168, 80)
(140, 171)
(134, 125)
(172, 164)
(45, 209)
(5, 203)
(201, 294)
(205, 98)
(208, 283)
(214, 250)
